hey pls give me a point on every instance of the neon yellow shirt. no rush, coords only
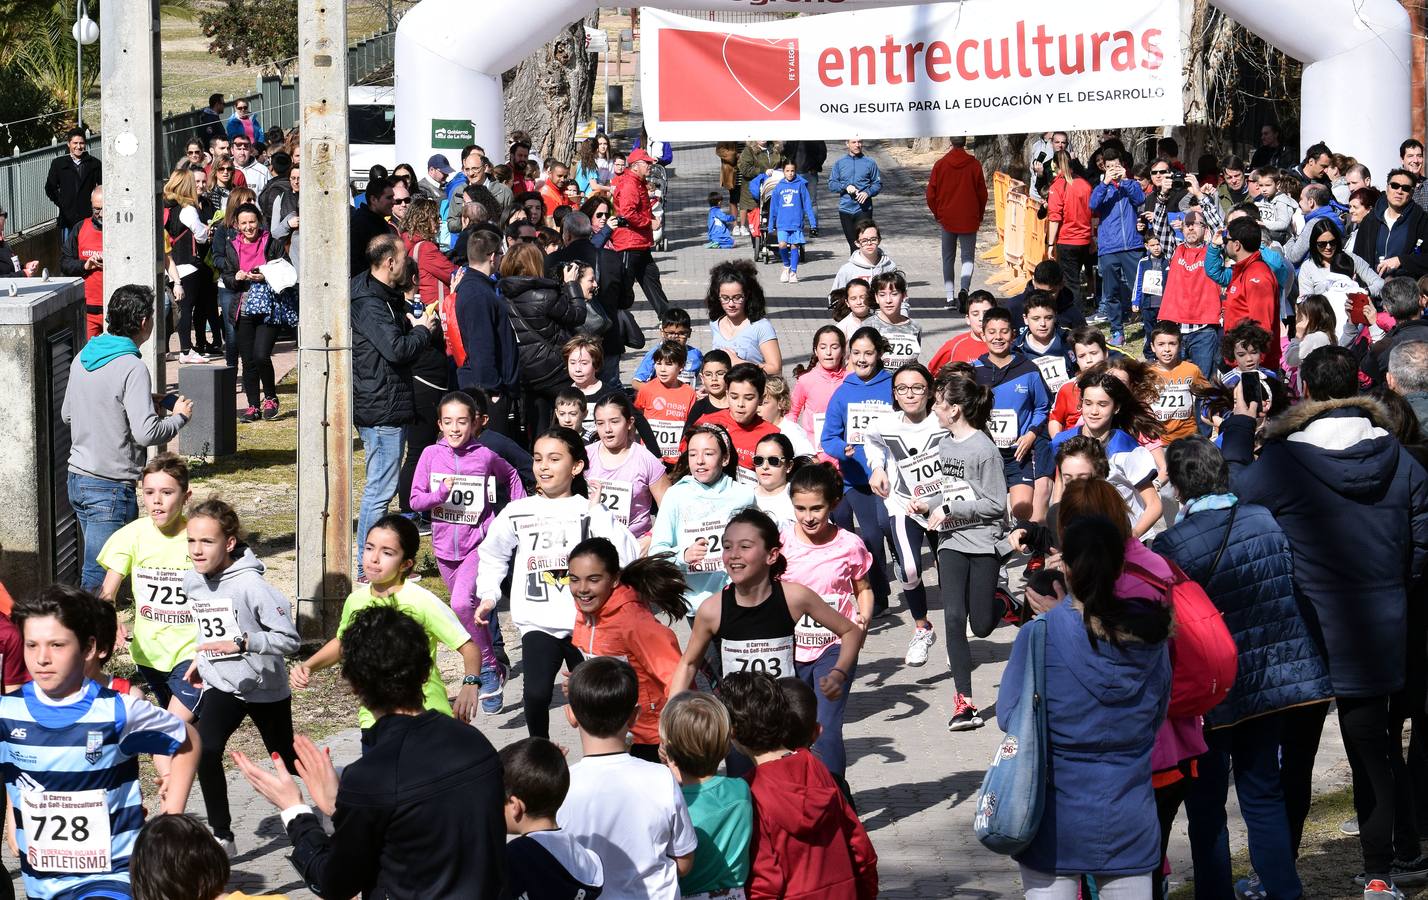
(164, 634)
(435, 617)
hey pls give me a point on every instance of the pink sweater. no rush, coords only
(452, 540)
(812, 392)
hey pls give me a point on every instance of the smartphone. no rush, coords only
(1250, 387)
(1043, 581)
(170, 401)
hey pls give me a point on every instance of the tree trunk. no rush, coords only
(550, 92)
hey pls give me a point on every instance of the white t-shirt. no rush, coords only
(631, 813)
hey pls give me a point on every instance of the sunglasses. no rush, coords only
(224, 169)
(528, 239)
(1328, 243)
(1159, 171)
(401, 201)
(243, 108)
(195, 153)
(775, 461)
(1399, 186)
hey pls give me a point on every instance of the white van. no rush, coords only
(371, 130)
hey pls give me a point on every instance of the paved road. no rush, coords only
(914, 783)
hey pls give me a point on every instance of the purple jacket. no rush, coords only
(452, 539)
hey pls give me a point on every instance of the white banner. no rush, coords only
(975, 67)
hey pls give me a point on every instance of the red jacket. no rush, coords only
(1070, 204)
(957, 192)
(965, 347)
(808, 842)
(632, 203)
(1191, 297)
(1254, 294)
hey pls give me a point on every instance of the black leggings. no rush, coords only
(541, 656)
(968, 583)
(219, 715)
(420, 434)
(1375, 756)
(255, 346)
(192, 286)
(1167, 804)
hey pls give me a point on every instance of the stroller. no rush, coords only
(658, 182)
(765, 244)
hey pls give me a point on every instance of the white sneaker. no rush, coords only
(922, 640)
(192, 357)
(783, 276)
(793, 278)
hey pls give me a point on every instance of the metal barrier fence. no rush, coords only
(22, 176)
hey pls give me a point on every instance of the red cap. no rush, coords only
(638, 155)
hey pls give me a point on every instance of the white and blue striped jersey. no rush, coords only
(62, 763)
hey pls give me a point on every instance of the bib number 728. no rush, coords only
(61, 828)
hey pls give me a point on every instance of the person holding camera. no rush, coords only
(1115, 201)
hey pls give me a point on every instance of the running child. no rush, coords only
(789, 206)
(864, 397)
(1089, 346)
(968, 346)
(619, 800)
(1021, 404)
(967, 513)
(904, 336)
(903, 463)
(757, 613)
(741, 420)
(666, 401)
(775, 408)
(153, 552)
(245, 629)
(712, 387)
(1174, 404)
(675, 325)
(694, 739)
(718, 235)
(388, 557)
(834, 564)
(76, 769)
(615, 616)
(691, 519)
(773, 463)
(543, 861)
(1113, 415)
(531, 539)
(816, 382)
(461, 484)
(859, 300)
(624, 477)
(808, 841)
(1046, 344)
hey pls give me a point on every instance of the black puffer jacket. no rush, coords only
(384, 346)
(544, 315)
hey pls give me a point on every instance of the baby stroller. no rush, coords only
(765, 243)
(657, 182)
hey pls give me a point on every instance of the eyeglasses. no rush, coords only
(1399, 186)
(731, 298)
(775, 461)
(870, 241)
(675, 334)
(910, 390)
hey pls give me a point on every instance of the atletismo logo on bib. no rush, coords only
(707, 75)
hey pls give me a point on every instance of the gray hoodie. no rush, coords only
(263, 614)
(858, 267)
(110, 411)
(974, 517)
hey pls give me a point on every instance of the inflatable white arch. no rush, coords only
(1356, 86)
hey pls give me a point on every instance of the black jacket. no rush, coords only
(70, 263)
(1410, 244)
(1375, 364)
(616, 290)
(384, 346)
(225, 256)
(365, 226)
(544, 314)
(419, 815)
(69, 185)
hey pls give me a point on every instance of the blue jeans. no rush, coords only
(1117, 281)
(1203, 349)
(384, 444)
(1251, 748)
(102, 507)
(226, 300)
(829, 746)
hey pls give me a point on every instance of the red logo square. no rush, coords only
(712, 76)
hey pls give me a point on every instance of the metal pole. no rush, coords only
(129, 80)
(607, 85)
(79, 71)
(324, 459)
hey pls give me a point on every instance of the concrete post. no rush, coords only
(129, 91)
(324, 531)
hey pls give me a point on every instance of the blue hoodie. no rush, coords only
(1017, 387)
(791, 205)
(718, 232)
(105, 348)
(877, 391)
(1115, 204)
(1103, 707)
(862, 173)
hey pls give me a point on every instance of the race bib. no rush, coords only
(773, 656)
(1053, 369)
(746, 476)
(956, 490)
(667, 433)
(921, 474)
(809, 635)
(468, 499)
(159, 597)
(544, 546)
(712, 531)
(216, 622)
(1173, 403)
(1151, 282)
(903, 350)
(818, 419)
(861, 416)
(1002, 427)
(68, 831)
(615, 496)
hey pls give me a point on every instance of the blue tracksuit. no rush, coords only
(862, 173)
(719, 222)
